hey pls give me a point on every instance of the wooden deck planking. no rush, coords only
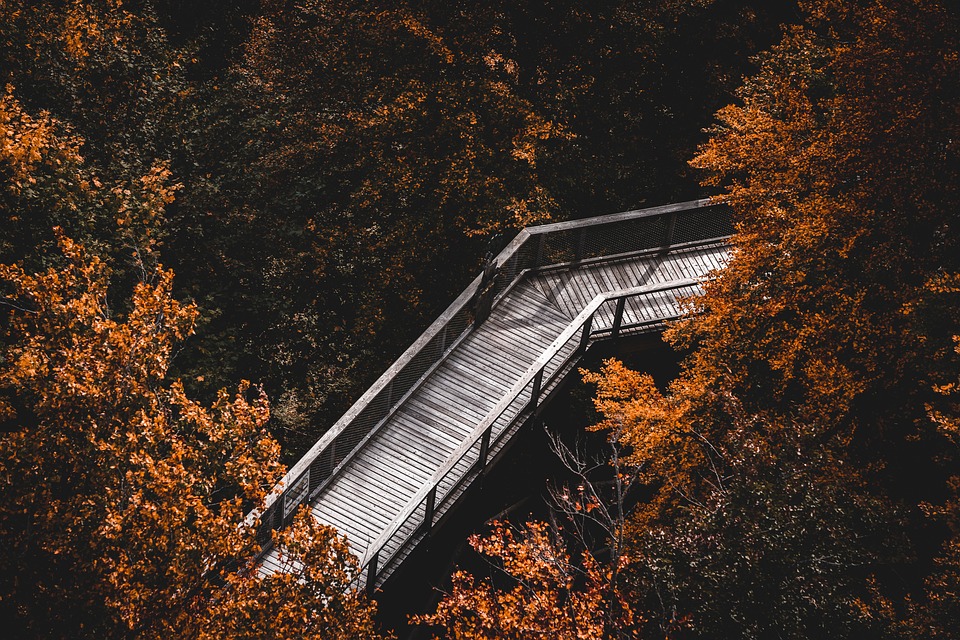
(416, 455)
(479, 361)
(349, 520)
(448, 398)
(442, 430)
(394, 483)
(373, 508)
(447, 418)
(515, 348)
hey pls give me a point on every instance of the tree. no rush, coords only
(632, 83)
(547, 594)
(103, 66)
(793, 463)
(124, 500)
(756, 524)
(355, 158)
(790, 458)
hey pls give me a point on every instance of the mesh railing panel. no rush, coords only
(622, 237)
(702, 224)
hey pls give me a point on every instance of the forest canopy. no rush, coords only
(194, 197)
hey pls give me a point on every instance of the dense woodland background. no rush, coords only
(194, 195)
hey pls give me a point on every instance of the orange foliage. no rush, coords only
(552, 597)
(788, 460)
(124, 500)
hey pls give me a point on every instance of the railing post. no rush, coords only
(535, 392)
(431, 504)
(668, 232)
(581, 244)
(541, 242)
(484, 448)
(618, 318)
(585, 334)
(372, 573)
(330, 454)
(443, 340)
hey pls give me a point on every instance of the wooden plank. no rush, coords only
(497, 329)
(406, 447)
(539, 293)
(717, 258)
(366, 503)
(544, 284)
(450, 419)
(346, 518)
(354, 512)
(392, 473)
(677, 268)
(491, 359)
(378, 504)
(452, 385)
(532, 292)
(467, 412)
(536, 300)
(420, 450)
(523, 336)
(477, 408)
(603, 278)
(427, 430)
(690, 264)
(357, 488)
(409, 459)
(574, 295)
(438, 399)
(516, 345)
(524, 330)
(700, 262)
(641, 272)
(475, 380)
(660, 269)
(491, 352)
(588, 288)
(623, 275)
(557, 284)
(486, 382)
(398, 472)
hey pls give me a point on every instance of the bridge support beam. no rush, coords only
(585, 335)
(484, 449)
(428, 513)
(618, 318)
(535, 392)
(668, 232)
(372, 573)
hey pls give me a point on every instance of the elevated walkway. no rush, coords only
(405, 452)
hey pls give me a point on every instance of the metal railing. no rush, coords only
(576, 241)
(608, 315)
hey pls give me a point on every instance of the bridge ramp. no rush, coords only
(385, 473)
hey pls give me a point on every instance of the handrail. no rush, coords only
(530, 249)
(552, 227)
(581, 324)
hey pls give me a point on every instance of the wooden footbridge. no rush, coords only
(403, 455)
